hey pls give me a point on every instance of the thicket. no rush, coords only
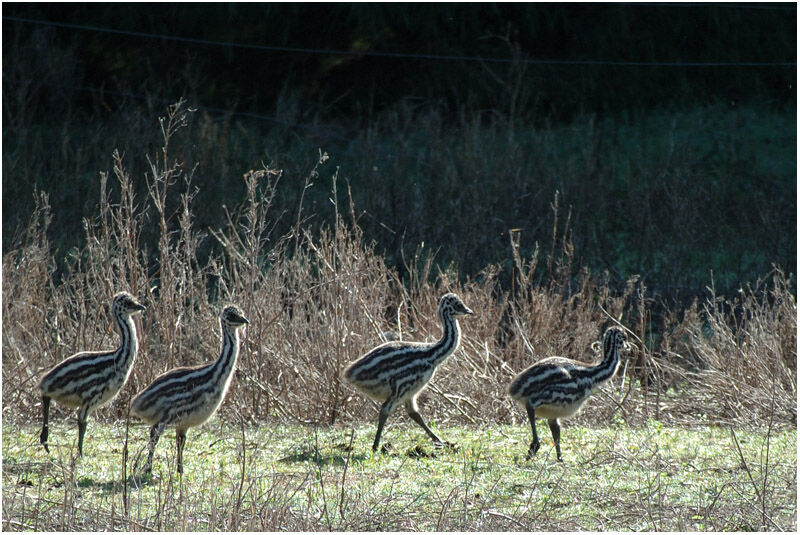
(318, 296)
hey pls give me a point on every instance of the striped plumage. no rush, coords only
(395, 372)
(557, 387)
(188, 397)
(92, 378)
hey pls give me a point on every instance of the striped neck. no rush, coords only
(224, 365)
(448, 343)
(608, 367)
(126, 353)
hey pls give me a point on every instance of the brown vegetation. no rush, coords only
(317, 299)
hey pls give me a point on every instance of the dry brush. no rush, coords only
(318, 297)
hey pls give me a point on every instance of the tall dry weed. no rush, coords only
(738, 357)
(320, 295)
(32, 323)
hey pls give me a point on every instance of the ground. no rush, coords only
(291, 477)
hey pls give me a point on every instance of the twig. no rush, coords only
(342, 491)
(125, 504)
(451, 402)
(744, 463)
(509, 518)
(242, 471)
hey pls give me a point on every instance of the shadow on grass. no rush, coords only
(422, 452)
(18, 468)
(312, 454)
(28, 473)
(133, 482)
(109, 487)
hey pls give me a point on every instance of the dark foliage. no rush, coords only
(354, 85)
(671, 172)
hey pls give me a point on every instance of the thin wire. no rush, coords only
(792, 7)
(400, 55)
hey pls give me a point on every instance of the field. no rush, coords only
(696, 432)
(333, 170)
(279, 477)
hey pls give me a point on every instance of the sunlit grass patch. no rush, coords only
(305, 478)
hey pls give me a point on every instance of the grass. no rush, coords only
(290, 477)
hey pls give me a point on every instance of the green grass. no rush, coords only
(289, 477)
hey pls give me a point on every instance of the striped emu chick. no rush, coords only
(92, 378)
(557, 387)
(188, 397)
(396, 372)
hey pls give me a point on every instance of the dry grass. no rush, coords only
(738, 357)
(319, 298)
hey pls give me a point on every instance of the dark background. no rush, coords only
(354, 86)
(353, 79)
